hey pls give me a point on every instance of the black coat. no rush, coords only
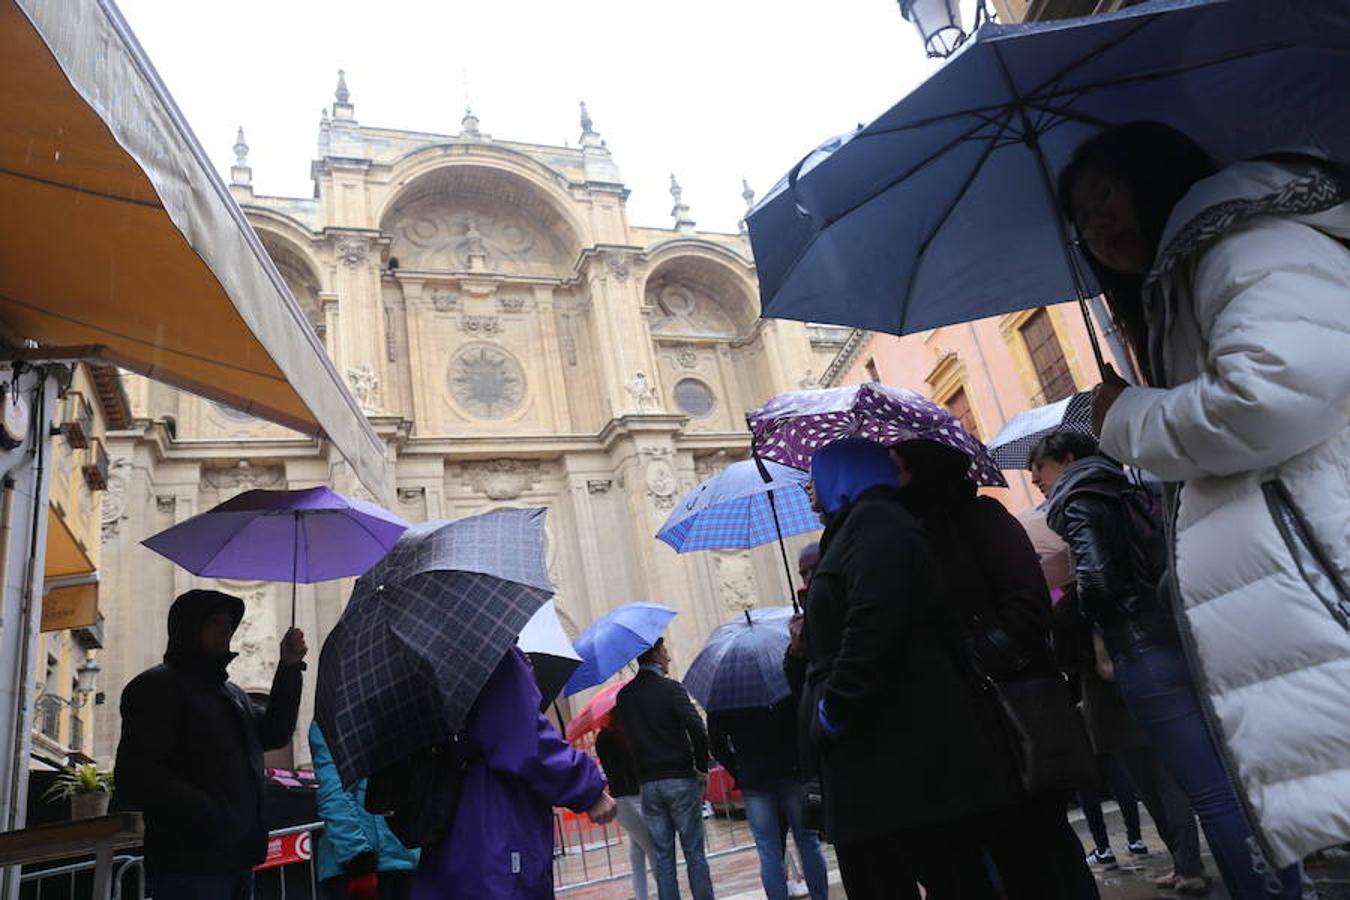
(664, 730)
(920, 742)
(191, 754)
(758, 746)
(617, 761)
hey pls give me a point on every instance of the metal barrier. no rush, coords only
(585, 854)
(67, 874)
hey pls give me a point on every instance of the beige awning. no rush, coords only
(116, 231)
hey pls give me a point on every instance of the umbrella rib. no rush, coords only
(920, 254)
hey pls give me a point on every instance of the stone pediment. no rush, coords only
(428, 236)
(682, 310)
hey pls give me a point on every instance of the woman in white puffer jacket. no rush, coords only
(1233, 287)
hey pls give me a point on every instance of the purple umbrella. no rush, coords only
(791, 427)
(309, 535)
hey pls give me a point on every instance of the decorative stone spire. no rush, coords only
(240, 173)
(325, 133)
(343, 108)
(587, 126)
(590, 138)
(748, 195)
(680, 211)
(469, 125)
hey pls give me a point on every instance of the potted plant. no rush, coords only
(87, 789)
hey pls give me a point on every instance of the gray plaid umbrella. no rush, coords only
(741, 666)
(424, 630)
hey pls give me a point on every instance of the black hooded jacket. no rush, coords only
(191, 754)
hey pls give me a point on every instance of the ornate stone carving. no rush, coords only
(736, 580)
(599, 485)
(115, 494)
(484, 326)
(808, 382)
(682, 309)
(511, 304)
(257, 642)
(481, 237)
(659, 476)
(165, 503)
(642, 392)
(390, 346)
(618, 265)
(444, 300)
(351, 251)
(502, 479)
(686, 357)
(243, 477)
(568, 337)
(486, 381)
(110, 530)
(365, 387)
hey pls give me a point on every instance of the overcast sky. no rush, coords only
(708, 89)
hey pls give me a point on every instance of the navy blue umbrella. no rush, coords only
(943, 210)
(741, 666)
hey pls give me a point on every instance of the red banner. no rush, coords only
(287, 849)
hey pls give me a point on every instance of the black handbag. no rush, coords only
(1047, 733)
(419, 795)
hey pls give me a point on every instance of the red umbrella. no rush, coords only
(595, 714)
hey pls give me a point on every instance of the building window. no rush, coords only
(871, 367)
(1047, 357)
(958, 404)
(694, 398)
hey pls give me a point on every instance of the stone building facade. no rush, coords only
(516, 342)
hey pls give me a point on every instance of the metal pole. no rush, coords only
(295, 564)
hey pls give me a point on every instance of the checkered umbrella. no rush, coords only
(731, 510)
(424, 630)
(1024, 431)
(791, 427)
(741, 666)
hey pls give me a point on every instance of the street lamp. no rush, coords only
(939, 23)
(86, 674)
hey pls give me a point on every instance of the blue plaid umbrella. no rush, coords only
(731, 510)
(1010, 447)
(424, 630)
(741, 666)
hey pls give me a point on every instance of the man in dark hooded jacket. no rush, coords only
(191, 754)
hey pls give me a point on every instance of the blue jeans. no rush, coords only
(213, 886)
(763, 810)
(1157, 687)
(670, 806)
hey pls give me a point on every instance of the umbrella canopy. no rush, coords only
(731, 510)
(550, 651)
(121, 242)
(791, 427)
(741, 665)
(943, 210)
(595, 714)
(616, 639)
(308, 535)
(424, 630)
(1050, 548)
(1011, 446)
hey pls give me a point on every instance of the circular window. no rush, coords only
(486, 381)
(694, 398)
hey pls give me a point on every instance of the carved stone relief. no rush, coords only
(365, 387)
(484, 326)
(502, 479)
(686, 357)
(642, 392)
(428, 236)
(165, 503)
(659, 477)
(257, 641)
(808, 382)
(444, 299)
(486, 381)
(243, 477)
(735, 580)
(351, 251)
(683, 309)
(618, 265)
(114, 505)
(599, 485)
(511, 304)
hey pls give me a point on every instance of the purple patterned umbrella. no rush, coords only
(791, 427)
(308, 535)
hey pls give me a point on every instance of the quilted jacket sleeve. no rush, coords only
(338, 808)
(1272, 300)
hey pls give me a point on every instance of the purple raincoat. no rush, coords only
(501, 844)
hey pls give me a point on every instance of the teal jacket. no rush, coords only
(348, 829)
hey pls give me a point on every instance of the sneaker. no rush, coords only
(1103, 857)
(798, 889)
(1137, 848)
(1193, 887)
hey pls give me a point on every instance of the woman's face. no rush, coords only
(1104, 214)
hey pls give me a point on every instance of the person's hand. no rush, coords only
(1104, 395)
(604, 810)
(795, 635)
(293, 648)
(363, 887)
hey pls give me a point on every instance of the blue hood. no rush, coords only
(845, 468)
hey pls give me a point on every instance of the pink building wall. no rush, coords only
(988, 359)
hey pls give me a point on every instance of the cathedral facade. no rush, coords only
(515, 341)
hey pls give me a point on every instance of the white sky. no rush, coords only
(709, 89)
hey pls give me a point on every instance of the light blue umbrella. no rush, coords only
(732, 509)
(741, 665)
(943, 209)
(614, 640)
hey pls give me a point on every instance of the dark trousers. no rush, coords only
(215, 886)
(1090, 801)
(392, 886)
(1037, 852)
